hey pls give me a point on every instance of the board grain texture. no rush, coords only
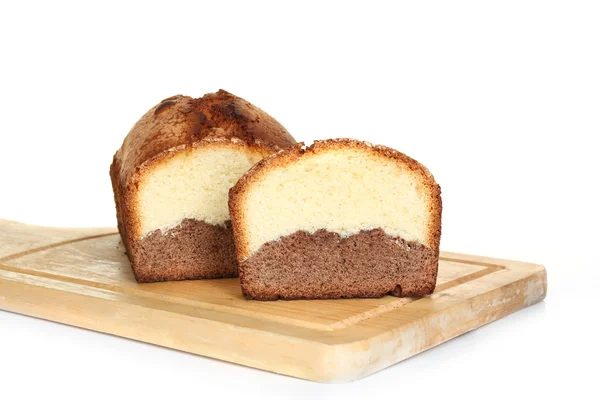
(82, 277)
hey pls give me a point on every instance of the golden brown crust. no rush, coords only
(181, 121)
(287, 156)
(178, 123)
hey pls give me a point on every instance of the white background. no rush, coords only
(499, 99)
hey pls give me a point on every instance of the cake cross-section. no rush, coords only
(171, 179)
(339, 219)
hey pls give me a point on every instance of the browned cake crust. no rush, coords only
(323, 265)
(176, 124)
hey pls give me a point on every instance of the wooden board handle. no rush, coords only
(17, 238)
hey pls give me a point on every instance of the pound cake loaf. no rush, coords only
(341, 218)
(171, 179)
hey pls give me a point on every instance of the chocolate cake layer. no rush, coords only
(192, 250)
(324, 265)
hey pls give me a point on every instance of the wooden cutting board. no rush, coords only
(82, 277)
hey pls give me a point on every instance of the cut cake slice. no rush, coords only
(171, 179)
(341, 218)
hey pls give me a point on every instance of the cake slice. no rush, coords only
(171, 179)
(341, 218)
